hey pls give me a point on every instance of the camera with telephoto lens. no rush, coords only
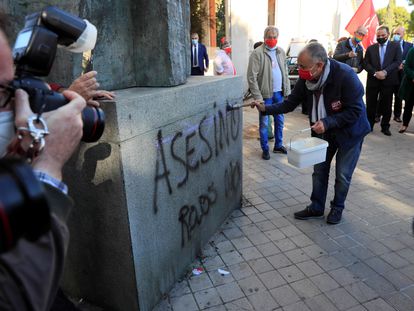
(34, 52)
(24, 211)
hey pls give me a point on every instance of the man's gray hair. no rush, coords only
(317, 52)
(271, 29)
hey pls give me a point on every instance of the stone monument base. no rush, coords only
(153, 190)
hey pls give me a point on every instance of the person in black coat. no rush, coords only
(334, 97)
(405, 47)
(350, 51)
(381, 62)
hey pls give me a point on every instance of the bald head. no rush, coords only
(6, 60)
(362, 30)
(400, 31)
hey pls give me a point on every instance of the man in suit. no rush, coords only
(405, 46)
(381, 61)
(333, 95)
(199, 57)
(350, 51)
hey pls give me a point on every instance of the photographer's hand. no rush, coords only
(65, 127)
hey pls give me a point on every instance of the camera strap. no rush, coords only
(37, 128)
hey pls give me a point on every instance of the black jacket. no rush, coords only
(30, 273)
(341, 54)
(406, 47)
(392, 60)
(346, 119)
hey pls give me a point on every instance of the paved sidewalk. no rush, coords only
(279, 263)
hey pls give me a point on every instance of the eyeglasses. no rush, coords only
(360, 33)
(6, 93)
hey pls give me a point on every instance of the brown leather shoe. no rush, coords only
(402, 129)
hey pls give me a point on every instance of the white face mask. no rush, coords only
(6, 130)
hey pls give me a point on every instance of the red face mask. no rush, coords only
(271, 43)
(227, 50)
(305, 74)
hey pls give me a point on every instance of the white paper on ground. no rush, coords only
(223, 272)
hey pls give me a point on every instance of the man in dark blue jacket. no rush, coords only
(199, 57)
(405, 46)
(333, 95)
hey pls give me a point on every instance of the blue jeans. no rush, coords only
(279, 121)
(346, 161)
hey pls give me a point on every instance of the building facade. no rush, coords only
(323, 20)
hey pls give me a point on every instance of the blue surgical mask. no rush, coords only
(194, 41)
(397, 38)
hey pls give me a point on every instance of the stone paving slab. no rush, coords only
(279, 263)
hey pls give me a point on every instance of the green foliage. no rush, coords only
(394, 16)
(411, 27)
(220, 21)
(198, 14)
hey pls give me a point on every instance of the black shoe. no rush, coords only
(281, 149)
(62, 302)
(307, 213)
(386, 132)
(334, 216)
(265, 155)
(397, 119)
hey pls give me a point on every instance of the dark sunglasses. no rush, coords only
(8, 93)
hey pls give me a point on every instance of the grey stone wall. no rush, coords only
(152, 192)
(140, 43)
(162, 43)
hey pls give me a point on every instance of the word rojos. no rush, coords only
(191, 216)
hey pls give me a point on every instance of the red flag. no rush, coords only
(364, 16)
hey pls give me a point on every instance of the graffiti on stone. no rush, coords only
(186, 151)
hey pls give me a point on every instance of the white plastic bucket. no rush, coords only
(307, 152)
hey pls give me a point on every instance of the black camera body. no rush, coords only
(34, 52)
(43, 99)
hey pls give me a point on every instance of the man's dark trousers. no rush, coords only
(346, 161)
(196, 71)
(384, 104)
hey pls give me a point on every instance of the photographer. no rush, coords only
(30, 272)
